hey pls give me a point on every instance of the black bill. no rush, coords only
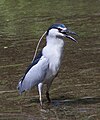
(68, 34)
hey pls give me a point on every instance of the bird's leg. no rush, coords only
(40, 92)
(47, 92)
(47, 95)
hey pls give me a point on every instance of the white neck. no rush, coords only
(55, 41)
(54, 47)
(53, 52)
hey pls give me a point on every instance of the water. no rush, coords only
(75, 92)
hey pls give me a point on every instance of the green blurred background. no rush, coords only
(75, 93)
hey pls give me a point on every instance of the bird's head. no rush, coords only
(60, 31)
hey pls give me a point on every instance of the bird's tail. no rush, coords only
(19, 87)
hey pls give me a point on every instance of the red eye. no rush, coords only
(59, 29)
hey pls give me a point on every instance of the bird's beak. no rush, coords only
(68, 34)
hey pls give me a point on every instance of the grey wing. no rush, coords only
(35, 75)
(34, 62)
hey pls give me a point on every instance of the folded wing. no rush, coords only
(34, 75)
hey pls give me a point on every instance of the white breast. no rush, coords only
(53, 51)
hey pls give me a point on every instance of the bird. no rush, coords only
(44, 68)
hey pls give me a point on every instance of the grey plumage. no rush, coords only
(45, 66)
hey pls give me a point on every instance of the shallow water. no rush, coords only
(75, 93)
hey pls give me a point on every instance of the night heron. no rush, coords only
(46, 64)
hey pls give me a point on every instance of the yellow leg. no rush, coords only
(40, 85)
